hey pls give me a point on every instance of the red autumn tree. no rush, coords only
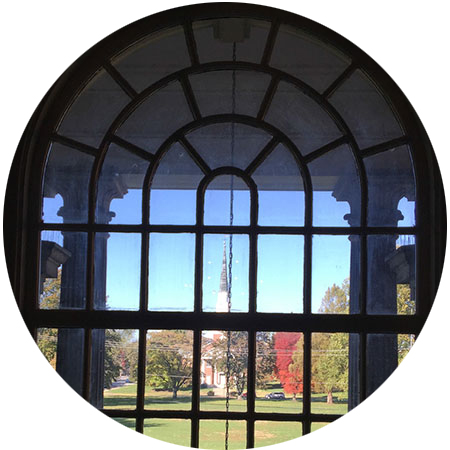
(285, 344)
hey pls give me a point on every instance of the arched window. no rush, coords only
(194, 155)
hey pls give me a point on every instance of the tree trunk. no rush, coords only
(294, 397)
(174, 393)
(330, 398)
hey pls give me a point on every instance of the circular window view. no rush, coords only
(231, 226)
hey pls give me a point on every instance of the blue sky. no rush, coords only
(171, 262)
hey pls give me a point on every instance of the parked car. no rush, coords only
(276, 396)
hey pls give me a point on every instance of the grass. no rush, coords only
(212, 432)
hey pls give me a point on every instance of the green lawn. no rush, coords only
(212, 432)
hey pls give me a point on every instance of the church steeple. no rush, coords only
(222, 295)
(223, 275)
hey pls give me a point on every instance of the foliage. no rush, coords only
(289, 374)
(405, 305)
(238, 358)
(329, 364)
(265, 358)
(169, 360)
(121, 350)
(329, 351)
(47, 338)
(336, 299)
(51, 292)
(112, 357)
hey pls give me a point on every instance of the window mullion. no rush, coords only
(251, 390)
(307, 343)
(140, 401)
(196, 365)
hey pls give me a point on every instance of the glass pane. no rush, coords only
(281, 200)
(212, 434)
(365, 111)
(307, 58)
(279, 372)
(64, 350)
(129, 423)
(171, 272)
(270, 433)
(301, 119)
(391, 185)
(384, 354)
(153, 57)
(63, 270)
(119, 196)
(173, 195)
(404, 343)
(214, 354)
(216, 251)
(214, 92)
(391, 274)
(174, 431)
(168, 382)
(66, 185)
(227, 195)
(215, 39)
(318, 425)
(213, 143)
(160, 115)
(329, 373)
(336, 189)
(51, 207)
(47, 342)
(117, 269)
(115, 362)
(330, 287)
(94, 109)
(280, 274)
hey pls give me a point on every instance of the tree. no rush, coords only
(237, 359)
(47, 338)
(405, 305)
(169, 360)
(265, 358)
(329, 351)
(112, 362)
(329, 364)
(117, 342)
(336, 299)
(289, 374)
(329, 367)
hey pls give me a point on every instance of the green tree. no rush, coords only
(330, 367)
(113, 341)
(169, 360)
(120, 350)
(336, 299)
(265, 358)
(329, 363)
(47, 338)
(329, 351)
(405, 306)
(237, 358)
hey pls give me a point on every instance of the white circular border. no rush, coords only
(41, 39)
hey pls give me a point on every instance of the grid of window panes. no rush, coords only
(180, 179)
